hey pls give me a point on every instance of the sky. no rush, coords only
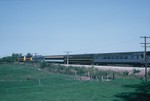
(52, 27)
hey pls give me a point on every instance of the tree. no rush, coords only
(29, 55)
(9, 59)
(1, 60)
(15, 56)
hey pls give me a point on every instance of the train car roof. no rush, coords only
(124, 52)
(54, 56)
(95, 54)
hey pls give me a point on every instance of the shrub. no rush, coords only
(136, 71)
(126, 73)
(43, 64)
(80, 71)
(149, 72)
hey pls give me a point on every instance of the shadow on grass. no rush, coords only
(141, 93)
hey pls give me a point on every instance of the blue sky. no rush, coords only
(50, 27)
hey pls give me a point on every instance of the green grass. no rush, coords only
(14, 86)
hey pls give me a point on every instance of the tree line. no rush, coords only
(13, 58)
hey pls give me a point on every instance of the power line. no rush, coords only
(145, 54)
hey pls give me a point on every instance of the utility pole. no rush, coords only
(145, 55)
(35, 56)
(68, 57)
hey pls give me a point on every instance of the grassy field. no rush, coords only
(23, 83)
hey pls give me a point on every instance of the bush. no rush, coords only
(43, 64)
(82, 71)
(126, 73)
(136, 71)
(149, 72)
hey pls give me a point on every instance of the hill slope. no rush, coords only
(23, 83)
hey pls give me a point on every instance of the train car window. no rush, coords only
(121, 57)
(142, 56)
(132, 57)
(125, 57)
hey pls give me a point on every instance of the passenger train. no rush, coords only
(120, 58)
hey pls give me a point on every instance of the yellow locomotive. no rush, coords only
(25, 59)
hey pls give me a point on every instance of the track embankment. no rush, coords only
(113, 68)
